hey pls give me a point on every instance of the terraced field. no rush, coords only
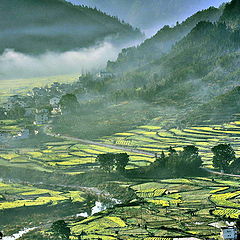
(155, 139)
(13, 127)
(64, 157)
(17, 196)
(167, 209)
(70, 157)
(176, 207)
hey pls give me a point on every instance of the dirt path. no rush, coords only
(220, 173)
(48, 132)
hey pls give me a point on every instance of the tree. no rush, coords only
(2, 113)
(190, 150)
(235, 166)
(186, 162)
(69, 103)
(106, 161)
(172, 151)
(60, 230)
(224, 155)
(16, 112)
(161, 161)
(190, 160)
(172, 163)
(121, 161)
(109, 161)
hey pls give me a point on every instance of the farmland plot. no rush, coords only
(155, 139)
(17, 196)
(166, 209)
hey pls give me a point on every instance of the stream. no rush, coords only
(98, 207)
(19, 234)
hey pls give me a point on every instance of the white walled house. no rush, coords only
(56, 111)
(54, 101)
(8, 106)
(23, 134)
(229, 233)
(103, 74)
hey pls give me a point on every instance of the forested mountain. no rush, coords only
(162, 42)
(37, 26)
(151, 14)
(231, 14)
(222, 108)
(200, 69)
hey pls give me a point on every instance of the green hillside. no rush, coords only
(221, 109)
(200, 67)
(231, 14)
(37, 26)
(162, 42)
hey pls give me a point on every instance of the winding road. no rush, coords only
(49, 133)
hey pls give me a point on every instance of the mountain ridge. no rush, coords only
(158, 14)
(161, 42)
(55, 25)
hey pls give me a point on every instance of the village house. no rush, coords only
(56, 111)
(8, 106)
(41, 117)
(38, 91)
(24, 134)
(56, 85)
(229, 233)
(21, 103)
(54, 102)
(103, 74)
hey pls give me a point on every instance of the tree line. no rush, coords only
(187, 162)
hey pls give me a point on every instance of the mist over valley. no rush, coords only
(119, 119)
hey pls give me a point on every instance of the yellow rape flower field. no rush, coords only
(161, 208)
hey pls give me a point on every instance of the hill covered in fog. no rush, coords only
(193, 66)
(37, 26)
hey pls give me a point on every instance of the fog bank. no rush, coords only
(18, 65)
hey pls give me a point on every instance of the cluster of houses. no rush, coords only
(40, 115)
(36, 108)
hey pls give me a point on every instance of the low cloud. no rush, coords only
(18, 65)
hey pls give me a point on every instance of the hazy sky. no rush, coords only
(130, 11)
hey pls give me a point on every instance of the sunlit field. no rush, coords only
(17, 195)
(76, 158)
(166, 210)
(22, 86)
(155, 139)
(65, 157)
